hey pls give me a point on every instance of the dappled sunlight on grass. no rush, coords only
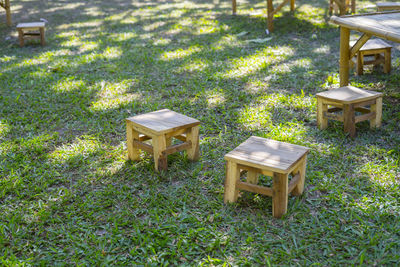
(385, 175)
(68, 84)
(195, 65)
(69, 196)
(215, 97)
(114, 95)
(245, 66)
(80, 149)
(180, 53)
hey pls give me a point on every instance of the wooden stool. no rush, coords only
(257, 156)
(380, 50)
(388, 6)
(161, 126)
(348, 100)
(31, 30)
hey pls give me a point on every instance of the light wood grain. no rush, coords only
(232, 177)
(266, 153)
(280, 194)
(163, 121)
(161, 127)
(349, 95)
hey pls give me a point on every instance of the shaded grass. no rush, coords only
(68, 195)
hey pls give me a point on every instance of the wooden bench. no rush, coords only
(379, 50)
(31, 30)
(387, 6)
(341, 104)
(160, 127)
(257, 156)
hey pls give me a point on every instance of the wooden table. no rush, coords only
(271, 11)
(6, 5)
(384, 25)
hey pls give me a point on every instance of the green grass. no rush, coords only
(68, 196)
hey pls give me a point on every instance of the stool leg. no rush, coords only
(252, 177)
(298, 190)
(388, 59)
(193, 136)
(377, 108)
(279, 194)
(232, 176)
(42, 39)
(159, 146)
(349, 119)
(131, 134)
(322, 122)
(360, 63)
(21, 37)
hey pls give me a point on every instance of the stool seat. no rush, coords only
(348, 100)
(257, 156)
(387, 6)
(379, 49)
(161, 126)
(31, 30)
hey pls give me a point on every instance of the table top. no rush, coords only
(384, 24)
(267, 154)
(163, 121)
(349, 95)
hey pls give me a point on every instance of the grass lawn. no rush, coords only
(68, 196)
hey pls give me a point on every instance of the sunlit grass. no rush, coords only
(68, 195)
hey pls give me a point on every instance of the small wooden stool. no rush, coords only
(380, 50)
(348, 100)
(257, 156)
(388, 6)
(161, 126)
(31, 30)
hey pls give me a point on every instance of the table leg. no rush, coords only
(270, 15)
(344, 56)
(8, 12)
